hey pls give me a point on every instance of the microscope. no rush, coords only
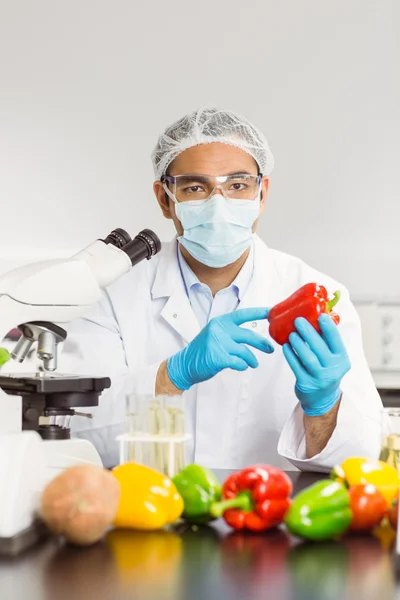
(41, 299)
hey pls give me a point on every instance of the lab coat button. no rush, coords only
(175, 315)
(254, 324)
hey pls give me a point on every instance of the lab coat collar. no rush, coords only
(168, 283)
(266, 286)
(264, 290)
(168, 274)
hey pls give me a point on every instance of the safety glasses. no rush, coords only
(189, 188)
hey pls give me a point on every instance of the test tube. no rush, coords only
(176, 428)
(136, 411)
(155, 428)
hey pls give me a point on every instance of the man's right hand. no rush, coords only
(222, 344)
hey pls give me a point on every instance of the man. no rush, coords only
(193, 320)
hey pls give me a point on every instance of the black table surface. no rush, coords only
(204, 563)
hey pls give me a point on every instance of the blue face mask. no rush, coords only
(218, 231)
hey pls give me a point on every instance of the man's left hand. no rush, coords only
(319, 363)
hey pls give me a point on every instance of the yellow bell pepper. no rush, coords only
(360, 471)
(149, 500)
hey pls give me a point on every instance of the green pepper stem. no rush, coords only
(242, 501)
(333, 302)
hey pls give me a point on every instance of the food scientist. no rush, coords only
(194, 321)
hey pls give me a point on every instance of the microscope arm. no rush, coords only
(54, 293)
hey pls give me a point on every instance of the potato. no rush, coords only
(81, 503)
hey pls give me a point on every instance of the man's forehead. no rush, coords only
(213, 159)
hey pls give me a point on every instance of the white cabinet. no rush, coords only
(381, 339)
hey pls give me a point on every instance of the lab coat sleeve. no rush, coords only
(94, 346)
(358, 428)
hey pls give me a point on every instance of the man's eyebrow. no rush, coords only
(240, 173)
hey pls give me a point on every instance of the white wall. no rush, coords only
(86, 85)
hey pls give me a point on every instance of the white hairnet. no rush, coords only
(208, 125)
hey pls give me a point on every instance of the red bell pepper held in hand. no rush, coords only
(309, 302)
(255, 499)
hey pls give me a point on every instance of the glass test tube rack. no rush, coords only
(156, 435)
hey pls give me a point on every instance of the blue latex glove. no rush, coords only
(220, 345)
(319, 363)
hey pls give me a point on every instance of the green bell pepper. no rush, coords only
(200, 489)
(4, 356)
(320, 512)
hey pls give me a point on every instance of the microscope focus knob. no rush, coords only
(31, 414)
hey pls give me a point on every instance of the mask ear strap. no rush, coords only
(169, 193)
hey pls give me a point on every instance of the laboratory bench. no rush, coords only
(204, 563)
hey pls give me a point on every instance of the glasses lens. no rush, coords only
(241, 187)
(192, 187)
(200, 187)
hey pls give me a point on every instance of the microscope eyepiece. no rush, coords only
(145, 245)
(118, 238)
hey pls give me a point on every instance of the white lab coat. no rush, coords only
(239, 417)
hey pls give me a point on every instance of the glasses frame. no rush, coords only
(220, 178)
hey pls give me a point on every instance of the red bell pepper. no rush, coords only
(254, 499)
(309, 302)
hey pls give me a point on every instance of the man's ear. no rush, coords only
(162, 199)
